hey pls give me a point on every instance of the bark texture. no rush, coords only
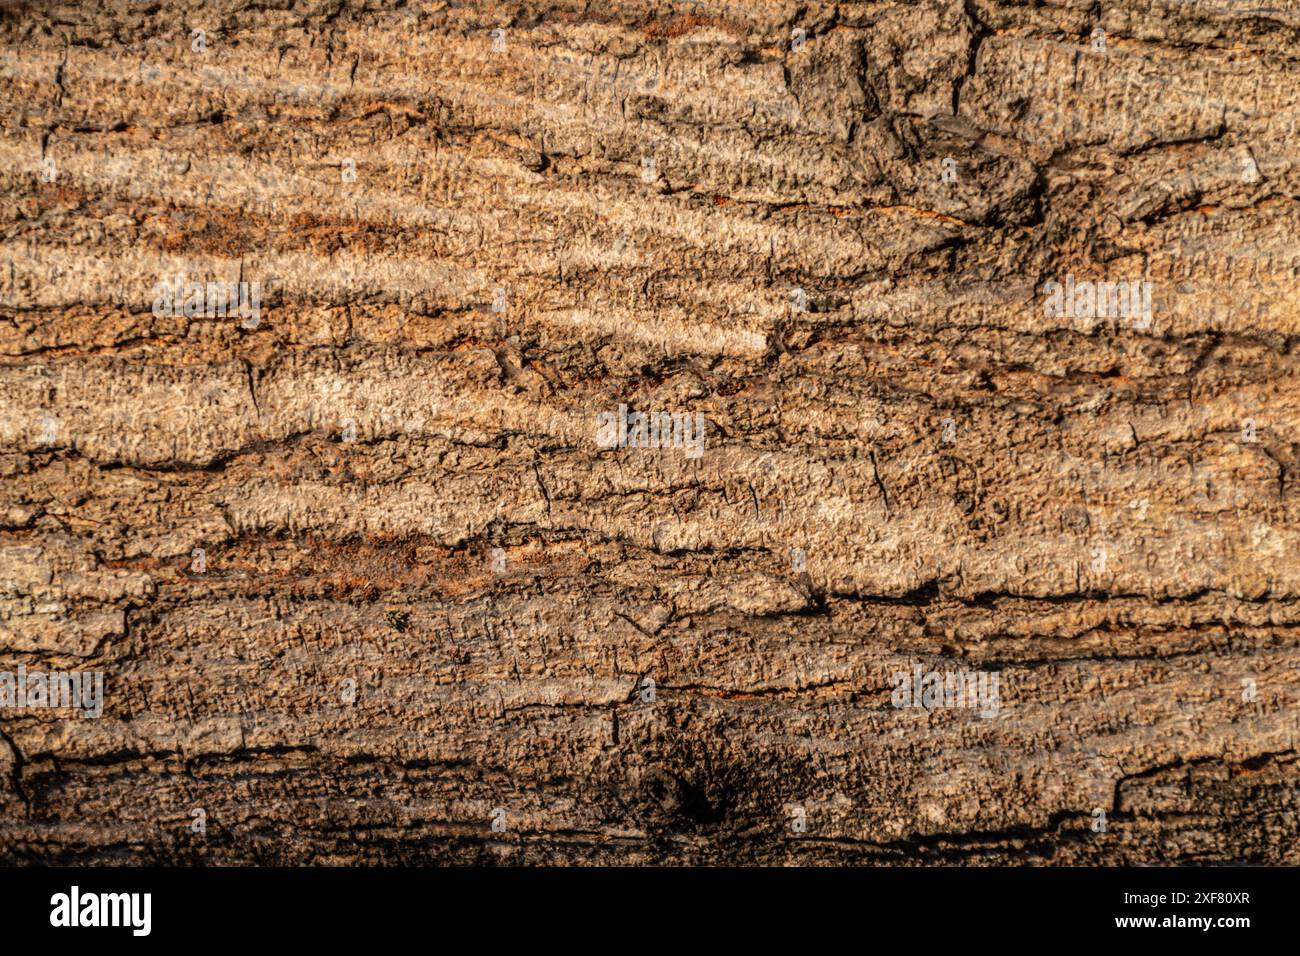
(363, 586)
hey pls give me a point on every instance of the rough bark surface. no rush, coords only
(277, 539)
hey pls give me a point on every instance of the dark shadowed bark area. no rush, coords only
(966, 531)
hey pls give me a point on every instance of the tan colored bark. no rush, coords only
(1108, 521)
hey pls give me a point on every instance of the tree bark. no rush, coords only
(363, 584)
